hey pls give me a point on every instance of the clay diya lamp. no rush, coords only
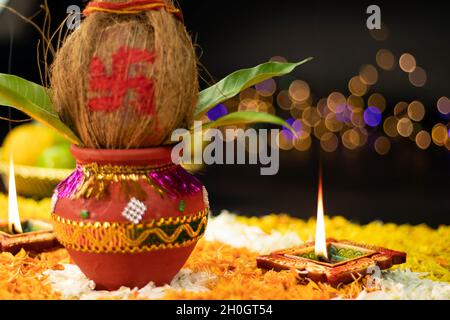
(129, 217)
(346, 261)
(36, 236)
(30, 235)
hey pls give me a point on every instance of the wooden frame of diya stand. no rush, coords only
(359, 258)
(39, 240)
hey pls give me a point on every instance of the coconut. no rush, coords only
(126, 80)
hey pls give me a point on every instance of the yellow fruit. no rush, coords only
(26, 142)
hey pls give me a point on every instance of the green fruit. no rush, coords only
(59, 139)
(57, 156)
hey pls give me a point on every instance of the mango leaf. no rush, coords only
(246, 117)
(241, 80)
(33, 100)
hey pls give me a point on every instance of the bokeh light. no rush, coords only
(416, 111)
(439, 134)
(322, 107)
(271, 109)
(299, 91)
(283, 100)
(423, 140)
(357, 87)
(345, 114)
(336, 102)
(380, 34)
(382, 145)
(296, 125)
(405, 127)
(377, 100)
(362, 136)
(283, 142)
(332, 123)
(372, 116)
(329, 142)
(418, 77)
(311, 116)
(400, 109)
(350, 139)
(407, 62)
(385, 59)
(350, 119)
(357, 118)
(353, 138)
(306, 130)
(266, 88)
(320, 129)
(368, 74)
(302, 105)
(303, 143)
(443, 105)
(296, 111)
(268, 99)
(252, 105)
(390, 126)
(217, 112)
(249, 93)
(278, 59)
(355, 102)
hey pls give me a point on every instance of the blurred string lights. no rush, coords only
(354, 120)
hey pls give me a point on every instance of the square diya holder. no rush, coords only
(346, 261)
(16, 234)
(37, 236)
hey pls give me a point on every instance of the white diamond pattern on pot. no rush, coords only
(134, 211)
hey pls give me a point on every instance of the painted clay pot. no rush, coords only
(129, 217)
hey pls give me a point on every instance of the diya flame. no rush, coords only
(14, 224)
(320, 248)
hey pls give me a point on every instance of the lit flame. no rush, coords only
(13, 205)
(320, 248)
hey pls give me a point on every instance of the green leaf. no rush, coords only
(33, 100)
(246, 117)
(241, 80)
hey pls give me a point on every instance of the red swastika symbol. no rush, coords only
(112, 89)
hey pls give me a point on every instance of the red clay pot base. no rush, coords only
(107, 246)
(111, 271)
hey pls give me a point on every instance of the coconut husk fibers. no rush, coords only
(173, 72)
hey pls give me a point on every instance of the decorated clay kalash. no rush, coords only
(120, 84)
(128, 216)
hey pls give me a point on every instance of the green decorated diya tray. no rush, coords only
(336, 254)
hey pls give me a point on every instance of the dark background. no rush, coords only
(406, 186)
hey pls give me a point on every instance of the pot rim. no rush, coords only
(160, 155)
